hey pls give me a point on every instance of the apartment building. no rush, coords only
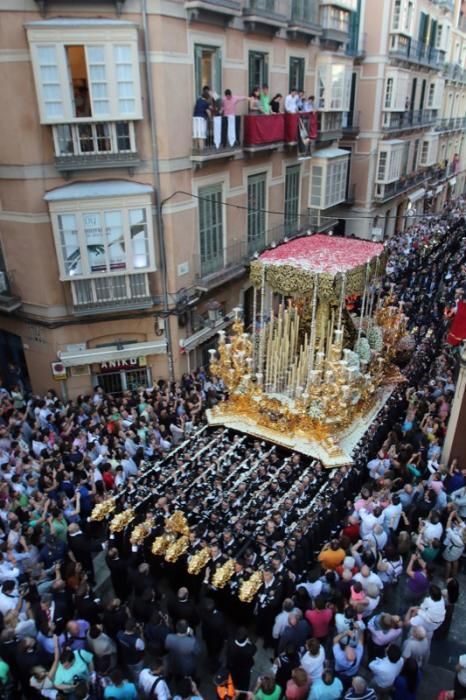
(411, 96)
(124, 246)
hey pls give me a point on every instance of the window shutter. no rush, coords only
(50, 86)
(197, 70)
(218, 72)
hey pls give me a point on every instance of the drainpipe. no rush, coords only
(156, 176)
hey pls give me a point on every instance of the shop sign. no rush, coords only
(123, 365)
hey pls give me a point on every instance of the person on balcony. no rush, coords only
(309, 104)
(265, 100)
(201, 115)
(291, 102)
(300, 100)
(276, 103)
(255, 106)
(230, 125)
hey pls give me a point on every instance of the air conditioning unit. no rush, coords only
(3, 282)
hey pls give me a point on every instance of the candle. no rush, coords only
(237, 311)
(259, 377)
(262, 329)
(342, 299)
(346, 354)
(320, 359)
(221, 337)
(328, 376)
(254, 324)
(313, 327)
(212, 355)
(338, 336)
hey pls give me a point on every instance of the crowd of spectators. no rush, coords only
(350, 610)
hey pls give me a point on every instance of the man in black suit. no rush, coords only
(81, 549)
(183, 608)
(213, 627)
(118, 573)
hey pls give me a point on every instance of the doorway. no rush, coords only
(13, 361)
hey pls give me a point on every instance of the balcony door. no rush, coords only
(258, 69)
(292, 200)
(211, 229)
(296, 73)
(256, 212)
(208, 68)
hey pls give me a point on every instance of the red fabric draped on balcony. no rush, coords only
(292, 125)
(262, 129)
(458, 327)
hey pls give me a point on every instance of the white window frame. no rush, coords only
(93, 282)
(333, 87)
(399, 91)
(48, 34)
(113, 138)
(322, 174)
(87, 206)
(392, 170)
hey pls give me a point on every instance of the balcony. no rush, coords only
(94, 145)
(350, 124)
(447, 5)
(304, 20)
(335, 29)
(263, 132)
(223, 11)
(9, 302)
(266, 15)
(44, 5)
(454, 73)
(357, 47)
(217, 267)
(224, 140)
(406, 121)
(414, 52)
(330, 126)
(386, 191)
(111, 293)
(348, 5)
(444, 126)
(436, 174)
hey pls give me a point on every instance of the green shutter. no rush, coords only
(292, 199)
(256, 212)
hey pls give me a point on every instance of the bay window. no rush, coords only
(329, 175)
(85, 69)
(334, 87)
(102, 236)
(390, 159)
(396, 90)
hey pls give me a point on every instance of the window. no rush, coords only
(256, 212)
(105, 290)
(335, 187)
(388, 93)
(382, 165)
(102, 237)
(211, 229)
(316, 189)
(208, 68)
(94, 138)
(329, 178)
(96, 78)
(334, 87)
(389, 164)
(425, 152)
(258, 70)
(415, 155)
(292, 199)
(396, 17)
(296, 80)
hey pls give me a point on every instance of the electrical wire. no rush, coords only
(299, 215)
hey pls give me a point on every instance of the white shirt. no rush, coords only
(392, 515)
(368, 522)
(432, 531)
(384, 671)
(146, 682)
(366, 580)
(314, 665)
(291, 105)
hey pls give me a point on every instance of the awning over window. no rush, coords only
(89, 357)
(96, 190)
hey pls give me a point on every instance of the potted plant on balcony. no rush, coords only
(214, 308)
